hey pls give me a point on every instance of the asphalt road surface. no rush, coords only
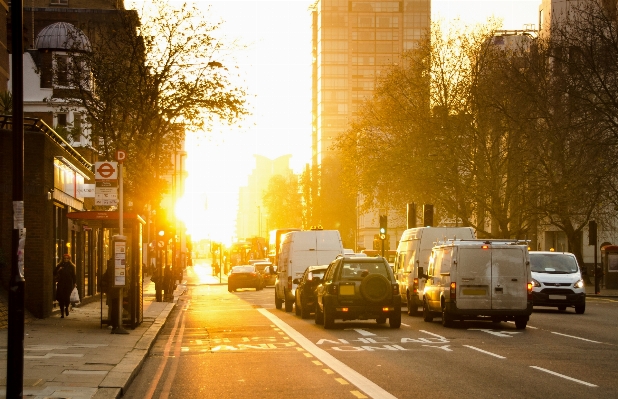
(217, 344)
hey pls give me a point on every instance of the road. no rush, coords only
(218, 344)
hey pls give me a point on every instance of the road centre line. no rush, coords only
(564, 376)
(488, 353)
(364, 384)
(572, 336)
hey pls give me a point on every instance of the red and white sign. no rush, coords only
(106, 170)
(106, 190)
(121, 155)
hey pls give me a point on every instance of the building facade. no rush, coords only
(352, 43)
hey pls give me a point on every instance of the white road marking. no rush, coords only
(504, 334)
(404, 324)
(572, 336)
(364, 384)
(488, 353)
(362, 332)
(435, 335)
(564, 376)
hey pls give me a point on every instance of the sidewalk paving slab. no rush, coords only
(75, 358)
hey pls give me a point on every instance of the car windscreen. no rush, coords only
(553, 263)
(316, 273)
(261, 266)
(243, 269)
(358, 271)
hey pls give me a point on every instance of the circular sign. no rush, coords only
(161, 244)
(106, 170)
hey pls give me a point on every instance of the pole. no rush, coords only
(15, 347)
(597, 273)
(119, 329)
(220, 264)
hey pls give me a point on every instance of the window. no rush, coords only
(77, 127)
(61, 119)
(62, 70)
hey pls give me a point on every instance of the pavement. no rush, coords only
(75, 358)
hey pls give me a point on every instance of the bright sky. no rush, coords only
(277, 74)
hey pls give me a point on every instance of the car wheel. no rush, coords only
(278, 302)
(520, 323)
(289, 305)
(562, 308)
(329, 318)
(426, 313)
(412, 310)
(381, 320)
(319, 316)
(297, 308)
(447, 319)
(580, 309)
(395, 320)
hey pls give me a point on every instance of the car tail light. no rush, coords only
(395, 289)
(290, 283)
(344, 309)
(530, 291)
(415, 286)
(453, 291)
(253, 274)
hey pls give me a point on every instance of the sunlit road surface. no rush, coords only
(218, 344)
(202, 273)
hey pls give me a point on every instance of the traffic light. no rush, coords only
(383, 226)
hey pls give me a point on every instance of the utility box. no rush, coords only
(609, 262)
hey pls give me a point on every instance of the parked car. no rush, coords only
(265, 267)
(244, 276)
(305, 290)
(358, 288)
(557, 281)
(472, 279)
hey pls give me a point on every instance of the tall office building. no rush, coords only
(352, 42)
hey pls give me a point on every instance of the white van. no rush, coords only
(468, 279)
(299, 250)
(413, 251)
(557, 281)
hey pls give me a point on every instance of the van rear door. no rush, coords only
(508, 278)
(473, 278)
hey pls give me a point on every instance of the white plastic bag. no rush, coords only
(74, 297)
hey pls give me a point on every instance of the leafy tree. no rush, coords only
(145, 84)
(283, 201)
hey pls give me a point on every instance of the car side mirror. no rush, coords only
(295, 281)
(421, 272)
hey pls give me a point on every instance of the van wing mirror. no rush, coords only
(421, 272)
(295, 281)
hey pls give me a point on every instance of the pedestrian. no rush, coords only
(157, 279)
(64, 274)
(168, 284)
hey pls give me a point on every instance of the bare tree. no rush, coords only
(145, 84)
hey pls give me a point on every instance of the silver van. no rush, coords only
(470, 279)
(413, 251)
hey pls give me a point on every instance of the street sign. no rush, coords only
(161, 244)
(106, 170)
(121, 155)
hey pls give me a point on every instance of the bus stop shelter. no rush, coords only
(107, 223)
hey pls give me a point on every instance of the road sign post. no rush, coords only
(120, 243)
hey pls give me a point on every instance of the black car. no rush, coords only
(245, 276)
(358, 288)
(305, 290)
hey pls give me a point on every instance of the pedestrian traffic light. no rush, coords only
(383, 226)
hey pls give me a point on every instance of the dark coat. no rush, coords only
(65, 278)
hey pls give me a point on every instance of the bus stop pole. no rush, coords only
(119, 329)
(220, 264)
